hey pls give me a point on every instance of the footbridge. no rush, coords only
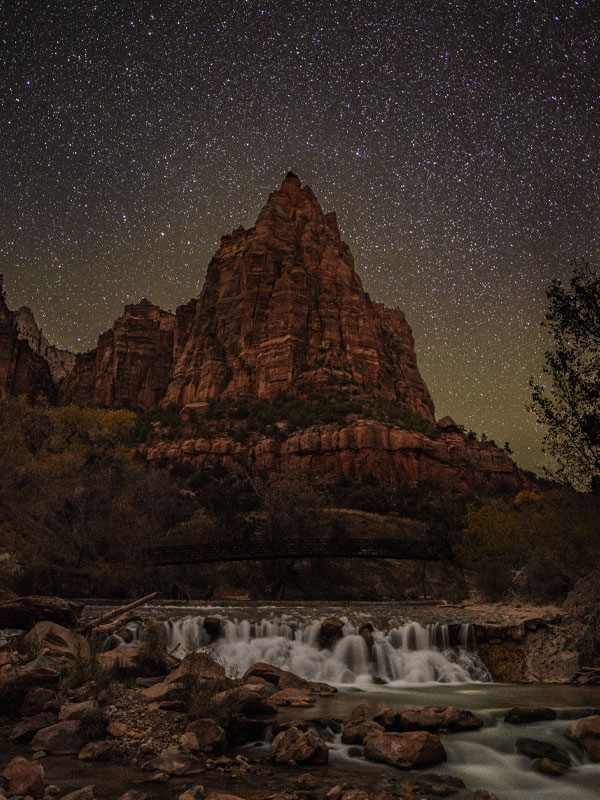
(260, 548)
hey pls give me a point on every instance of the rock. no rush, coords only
(36, 701)
(134, 794)
(118, 729)
(22, 777)
(77, 710)
(124, 660)
(434, 718)
(299, 747)
(25, 729)
(523, 716)
(550, 767)
(97, 751)
(281, 678)
(61, 739)
(212, 625)
(390, 719)
(296, 698)
(57, 641)
(86, 793)
(355, 731)
(361, 713)
(209, 735)
(194, 793)
(23, 371)
(199, 668)
(366, 631)
(245, 700)
(436, 785)
(331, 631)
(42, 671)
(25, 612)
(307, 781)
(130, 366)
(405, 750)
(537, 748)
(483, 794)
(586, 732)
(222, 796)
(173, 762)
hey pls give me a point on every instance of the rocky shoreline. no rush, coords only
(185, 729)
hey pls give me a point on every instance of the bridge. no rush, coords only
(259, 548)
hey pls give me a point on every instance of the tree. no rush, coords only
(569, 404)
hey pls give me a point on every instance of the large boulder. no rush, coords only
(208, 734)
(23, 612)
(76, 710)
(246, 700)
(405, 750)
(525, 715)
(356, 731)
(299, 747)
(537, 748)
(62, 739)
(26, 728)
(435, 718)
(586, 732)
(57, 641)
(282, 678)
(22, 778)
(331, 631)
(295, 698)
(37, 700)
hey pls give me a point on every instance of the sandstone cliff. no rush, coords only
(23, 371)
(392, 455)
(131, 364)
(283, 308)
(60, 362)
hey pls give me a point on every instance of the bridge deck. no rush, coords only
(258, 549)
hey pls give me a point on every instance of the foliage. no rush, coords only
(569, 405)
(540, 536)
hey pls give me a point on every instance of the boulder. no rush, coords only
(282, 678)
(42, 671)
(405, 750)
(299, 747)
(97, 751)
(245, 700)
(64, 738)
(209, 735)
(296, 698)
(193, 793)
(212, 625)
(26, 728)
(201, 669)
(36, 701)
(331, 631)
(76, 710)
(22, 777)
(361, 712)
(174, 762)
(134, 794)
(537, 748)
(523, 716)
(390, 719)
(366, 631)
(222, 796)
(57, 642)
(434, 718)
(86, 793)
(355, 732)
(23, 612)
(483, 794)
(586, 732)
(436, 785)
(123, 660)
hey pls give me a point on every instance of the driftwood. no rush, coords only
(94, 624)
(24, 612)
(115, 624)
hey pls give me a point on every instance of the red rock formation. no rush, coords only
(282, 307)
(131, 364)
(22, 370)
(392, 455)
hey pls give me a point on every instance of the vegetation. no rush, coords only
(534, 544)
(569, 406)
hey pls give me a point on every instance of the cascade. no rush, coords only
(408, 653)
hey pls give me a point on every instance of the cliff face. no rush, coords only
(392, 455)
(283, 308)
(130, 367)
(60, 362)
(23, 371)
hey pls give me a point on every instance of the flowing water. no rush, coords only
(411, 663)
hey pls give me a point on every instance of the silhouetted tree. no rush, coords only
(569, 404)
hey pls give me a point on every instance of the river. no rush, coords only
(410, 663)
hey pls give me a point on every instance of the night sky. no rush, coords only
(457, 142)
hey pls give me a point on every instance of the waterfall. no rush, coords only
(406, 654)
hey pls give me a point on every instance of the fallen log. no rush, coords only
(115, 612)
(24, 612)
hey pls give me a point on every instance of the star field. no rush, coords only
(457, 142)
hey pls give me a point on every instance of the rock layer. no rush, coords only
(391, 454)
